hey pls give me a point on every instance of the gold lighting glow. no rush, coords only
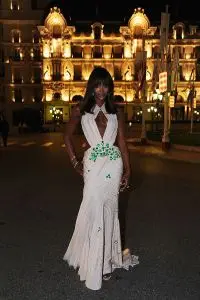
(21, 55)
(48, 96)
(86, 70)
(134, 45)
(31, 53)
(47, 73)
(67, 75)
(187, 55)
(148, 75)
(55, 17)
(107, 51)
(127, 50)
(149, 50)
(65, 95)
(46, 51)
(67, 51)
(129, 96)
(139, 21)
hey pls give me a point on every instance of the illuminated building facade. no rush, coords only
(45, 65)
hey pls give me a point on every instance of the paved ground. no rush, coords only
(40, 197)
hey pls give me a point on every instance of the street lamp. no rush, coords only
(56, 115)
(157, 96)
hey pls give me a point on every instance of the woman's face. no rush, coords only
(100, 92)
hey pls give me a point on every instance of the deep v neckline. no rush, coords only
(97, 110)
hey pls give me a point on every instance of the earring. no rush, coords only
(93, 94)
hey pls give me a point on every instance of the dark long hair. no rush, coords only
(99, 76)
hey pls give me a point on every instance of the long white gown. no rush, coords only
(95, 247)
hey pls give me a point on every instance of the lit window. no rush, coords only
(16, 36)
(57, 31)
(18, 95)
(14, 5)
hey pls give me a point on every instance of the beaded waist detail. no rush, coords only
(104, 149)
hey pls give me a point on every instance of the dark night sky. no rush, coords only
(111, 10)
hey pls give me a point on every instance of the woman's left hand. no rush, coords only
(125, 181)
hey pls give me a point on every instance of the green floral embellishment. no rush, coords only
(108, 176)
(104, 149)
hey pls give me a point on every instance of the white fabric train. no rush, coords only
(95, 247)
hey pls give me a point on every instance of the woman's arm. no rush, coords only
(124, 151)
(68, 134)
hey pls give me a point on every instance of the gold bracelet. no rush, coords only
(76, 163)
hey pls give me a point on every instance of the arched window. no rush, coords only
(56, 31)
(16, 36)
(15, 5)
(16, 54)
(178, 31)
(18, 95)
(97, 30)
(57, 96)
(97, 33)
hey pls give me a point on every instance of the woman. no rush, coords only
(95, 247)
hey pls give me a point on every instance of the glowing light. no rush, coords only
(48, 96)
(134, 45)
(187, 75)
(47, 75)
(139, 21)
(13, 5)
(127, 51)
(148, 75)
(46, 51)
(149, 50)
(55, 18)
(129, 77)
(67, 51)
(65, 95)
(107, 51)
(67, 75)
(187, 55)
(174, 34)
